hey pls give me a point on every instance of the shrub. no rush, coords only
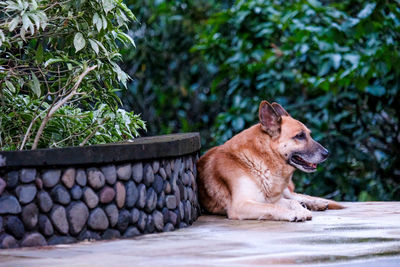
(333, 65)
(170, 84)
(59, 73)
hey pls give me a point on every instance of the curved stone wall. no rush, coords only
(105, 199)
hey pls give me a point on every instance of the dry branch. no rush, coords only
(60, 104)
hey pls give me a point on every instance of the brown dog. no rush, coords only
(249, 177)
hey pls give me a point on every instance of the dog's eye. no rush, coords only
(300, 136)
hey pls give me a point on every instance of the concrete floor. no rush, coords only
(363, 234)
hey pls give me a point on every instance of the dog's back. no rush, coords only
(213, 192)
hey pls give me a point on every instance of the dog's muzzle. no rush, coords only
(308, 162)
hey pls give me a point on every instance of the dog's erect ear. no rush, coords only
(270, 119)
(279, 109)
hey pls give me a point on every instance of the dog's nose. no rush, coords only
(325, 153)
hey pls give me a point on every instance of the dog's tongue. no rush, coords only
(314, 165)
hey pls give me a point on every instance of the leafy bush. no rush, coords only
(59, 73)
(331, 64)
(170, 84)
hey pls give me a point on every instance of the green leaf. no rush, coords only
(353, 59)
(325, 68)
(39, 53)
(336, 58)
(36, 19)
(97, 21)
(366, 11)
(35, 85)
(10, 87)
(125, 38)
(127, 11)
(104, 22)
(94, 46)
(26, 22)
(51, 61)
(14, 23)
(376, 90)
(2, 37)
(33, 5)
(79, 41)
(108, 5)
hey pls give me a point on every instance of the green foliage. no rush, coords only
(59, 73)
(170, 84)
(333, 65)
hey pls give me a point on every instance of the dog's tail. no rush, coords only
(333, 205)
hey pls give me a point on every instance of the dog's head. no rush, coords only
(290, 138)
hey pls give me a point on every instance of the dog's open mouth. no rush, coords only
(300, 163)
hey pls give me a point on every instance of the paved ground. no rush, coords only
(363, 234)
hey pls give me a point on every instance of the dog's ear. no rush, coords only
(279, 109)
(270, 119)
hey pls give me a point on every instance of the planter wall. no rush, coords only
(66, 195)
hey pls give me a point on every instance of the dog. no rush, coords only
(250, 176)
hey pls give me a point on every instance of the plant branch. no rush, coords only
(93, 132)
(59, 104)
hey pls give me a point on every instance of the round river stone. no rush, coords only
(59, 218)
(51, 177)
(110, 173)
(137, 172)
(112, 214)
(45, 226)
(95, 178)
(131, 232)
(81, 178)
(90, 197)
(98, 219)
(123, 220)
(60, 195)
(68, 177)
(124, 171)
(25, 193)
(120, 194)
(141, 202)
(27, 175)
(107, 194)
(12, 179)
(9, 205)
(76, 192)
(148, 175)
(7, 241)
(45, 201)
(77, 215)
(132, 194)
(30, 214)
(33, 240)
(14, 226)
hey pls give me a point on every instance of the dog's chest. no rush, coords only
(270, 185)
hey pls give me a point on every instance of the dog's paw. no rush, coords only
(298, 216)
(316, 205)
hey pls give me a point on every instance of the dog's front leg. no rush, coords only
(312, 203)
(253, 210)
(248, 203)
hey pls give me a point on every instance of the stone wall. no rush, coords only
(64, 205)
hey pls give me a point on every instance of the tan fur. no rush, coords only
(249, 176)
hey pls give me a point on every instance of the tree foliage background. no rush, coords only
(204, 66)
